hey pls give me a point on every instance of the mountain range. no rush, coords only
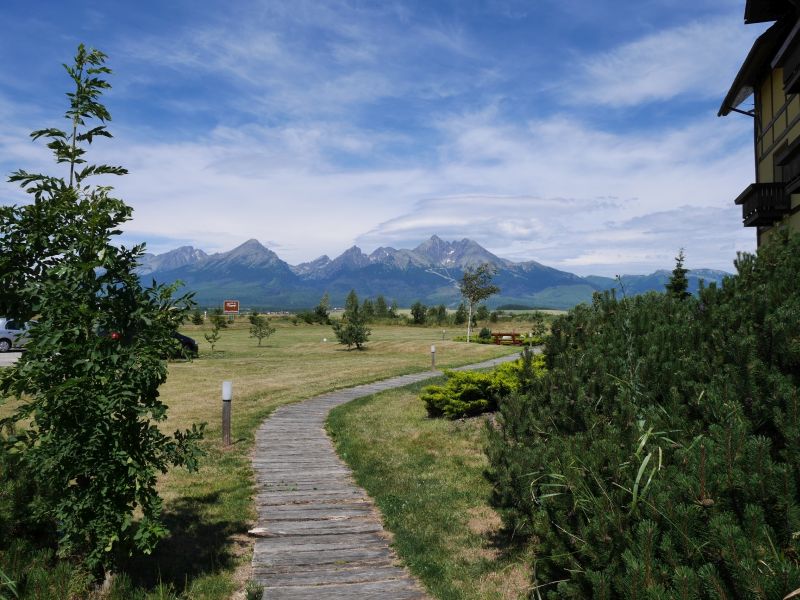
(258, 278)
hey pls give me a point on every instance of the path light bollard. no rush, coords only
(227, 396)
(433, 358)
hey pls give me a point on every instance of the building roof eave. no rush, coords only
(765, 11)
(757, 63)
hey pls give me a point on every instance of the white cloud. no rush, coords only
(698, 59)
(569, 195)
(555, 190)
(297, 163)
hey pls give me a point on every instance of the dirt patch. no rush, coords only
(511, 583)
(484, 521)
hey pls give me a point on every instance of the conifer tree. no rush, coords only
(381, 310)
(460, 316)
(678, 285)
(418, 313)
(368, 310)
(352, 330)
(657, 457)
(322, 312)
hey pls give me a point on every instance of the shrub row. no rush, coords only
(659, 455)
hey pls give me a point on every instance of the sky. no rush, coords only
(578, 133)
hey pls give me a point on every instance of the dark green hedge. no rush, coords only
(659, 456)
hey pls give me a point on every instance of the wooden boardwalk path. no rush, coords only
(319, 534)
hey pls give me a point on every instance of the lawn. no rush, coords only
(426, 476)
(208, 513)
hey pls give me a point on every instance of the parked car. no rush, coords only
(13, 334)
(188, 345)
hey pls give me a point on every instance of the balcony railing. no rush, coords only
(764, 204)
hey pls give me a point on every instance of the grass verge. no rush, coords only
(207, 553)
(426, 477)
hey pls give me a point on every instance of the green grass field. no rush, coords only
(208, 513)
(426, 476)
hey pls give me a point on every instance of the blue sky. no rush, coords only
(580, 134)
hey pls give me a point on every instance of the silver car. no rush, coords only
(13, 334)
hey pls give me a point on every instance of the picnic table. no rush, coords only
(507, 339)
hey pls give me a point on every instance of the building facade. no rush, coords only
(767, 89)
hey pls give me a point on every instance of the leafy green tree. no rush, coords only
(381, 310)
(197, 317)
(418, 313)
(678, 285)
(260, 327)
(352, 330)
(88, 382)
(476, 285)
(322, 311)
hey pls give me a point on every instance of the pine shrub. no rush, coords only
(659, 456)
(470, 393)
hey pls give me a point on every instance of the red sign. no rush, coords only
(230, 307)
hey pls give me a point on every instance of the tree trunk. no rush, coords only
(469, 322)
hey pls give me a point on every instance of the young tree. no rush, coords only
(322, 311)
(197, 317)
(476, 285)
(482, 313)
(441, 314)
(351, 330)
(678, 286)
(218, 319)
(538, 326)
(381, 310)
(431, 314)
(212, 337)
(460, 316)
(394, 311)
(418, 310)
(368, 310)
(88, 382)
(260, 327)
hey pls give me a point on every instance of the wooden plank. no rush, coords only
(319, 535)
(378, 590)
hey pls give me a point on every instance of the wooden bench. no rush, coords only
(507, 339)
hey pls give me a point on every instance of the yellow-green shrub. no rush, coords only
(470, 393)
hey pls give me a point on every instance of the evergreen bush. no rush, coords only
(470, 393)
(659, 456)
(351, 329)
